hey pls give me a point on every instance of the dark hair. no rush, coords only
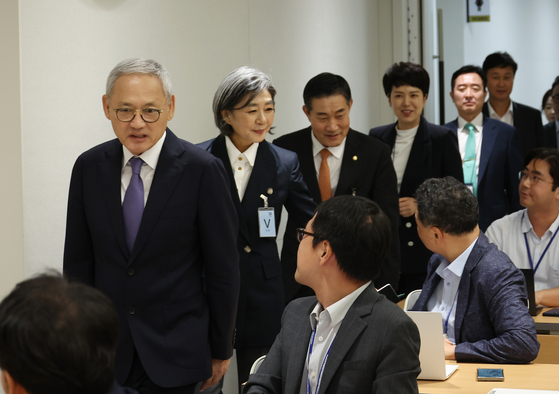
(325, 85)
(236, 91)
(501, 60)
(467, 70)
(358, 232)
(555, 83)
(549, 155)
(447, 204)
(546, 97)
(400, 74)
(58, 337)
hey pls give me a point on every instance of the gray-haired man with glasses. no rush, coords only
(145, 214)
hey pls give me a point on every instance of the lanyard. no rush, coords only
(544, 252)
(449, 312)
(321, 367)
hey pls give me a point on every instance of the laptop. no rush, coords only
(431, 353)
(529, 277)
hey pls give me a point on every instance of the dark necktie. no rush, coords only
(133, 204)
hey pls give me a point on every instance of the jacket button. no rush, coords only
(130, 271)
(131, 310)
(247, 249)
(410, 243)
(408, 224)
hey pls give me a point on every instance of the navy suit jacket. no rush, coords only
(492, 323)
(176, 291)
(366, 171)
(376, 350)
(275, 174)
(434, 154)
(528, 123)
(499, 166)
(550, 135)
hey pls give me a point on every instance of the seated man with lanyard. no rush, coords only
(528, 236)
(480, 293)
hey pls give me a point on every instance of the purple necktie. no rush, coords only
(133, 204)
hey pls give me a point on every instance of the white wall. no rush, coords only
(525, 29)
(68, 48)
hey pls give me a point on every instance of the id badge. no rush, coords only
(266, 222)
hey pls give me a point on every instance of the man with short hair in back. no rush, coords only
(58, 337)
(336, 160)
(480, 293)
(349, 338)
(528, 236)
(551, 130)
(500, 69)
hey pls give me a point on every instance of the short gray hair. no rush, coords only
(236, 91)
(141, 66)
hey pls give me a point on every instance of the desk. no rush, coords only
(526, 376)
(546, 324)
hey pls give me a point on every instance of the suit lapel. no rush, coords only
(306, 161)
(415, 167)
(487, 145)
(219, 150)
(348, 172)
(430, 285)
(299, 344)
(110, 171)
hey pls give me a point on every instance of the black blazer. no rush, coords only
(275, 174)
(366, 171)
(167, 312)
(434, 154)
(528, 123)
(550, 135)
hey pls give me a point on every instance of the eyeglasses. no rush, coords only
(534, 180)
(301, 234)
(555, 98)
(149, 115)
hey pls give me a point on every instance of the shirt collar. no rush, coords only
(234, 153)
(457, 266)
(526, 225)
(336, 151)
(557, 125)
(337, 310)
(150, 157)
(492, 111)
(477, 122)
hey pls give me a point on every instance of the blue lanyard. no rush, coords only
(449, 312)
(321, 367)
(544, 252)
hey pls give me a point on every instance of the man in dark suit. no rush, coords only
(151, 224)
(478, 290)
(551, 129)
(490, 149)
(356, 164)
(500, 69)
(356, 340)
(58, 337)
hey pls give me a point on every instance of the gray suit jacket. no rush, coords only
(376, 350)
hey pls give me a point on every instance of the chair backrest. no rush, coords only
(411, 299)
(549, 349)
(256, 364)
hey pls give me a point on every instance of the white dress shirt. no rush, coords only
(150, 158)
(508, 117)
(445, 296)
(241, 164)
(334, 160)
(464, 134)
(401, 152)
(508, 234)
(325, 323)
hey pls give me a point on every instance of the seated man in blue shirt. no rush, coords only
(480, 293)
(348, 338)
(57, 337)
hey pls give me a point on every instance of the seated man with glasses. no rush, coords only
(347, 338)
(528, 236)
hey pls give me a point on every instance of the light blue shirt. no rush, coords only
(444, 298)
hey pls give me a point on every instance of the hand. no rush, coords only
(407, 206)
(219, 367)
(449, 350)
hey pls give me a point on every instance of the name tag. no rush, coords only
(266, 222)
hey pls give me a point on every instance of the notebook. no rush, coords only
(431, 353)
(529, 277)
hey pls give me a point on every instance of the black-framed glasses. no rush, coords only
(301, 234)
(534, 180)
(555, 98)
(148, 115)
